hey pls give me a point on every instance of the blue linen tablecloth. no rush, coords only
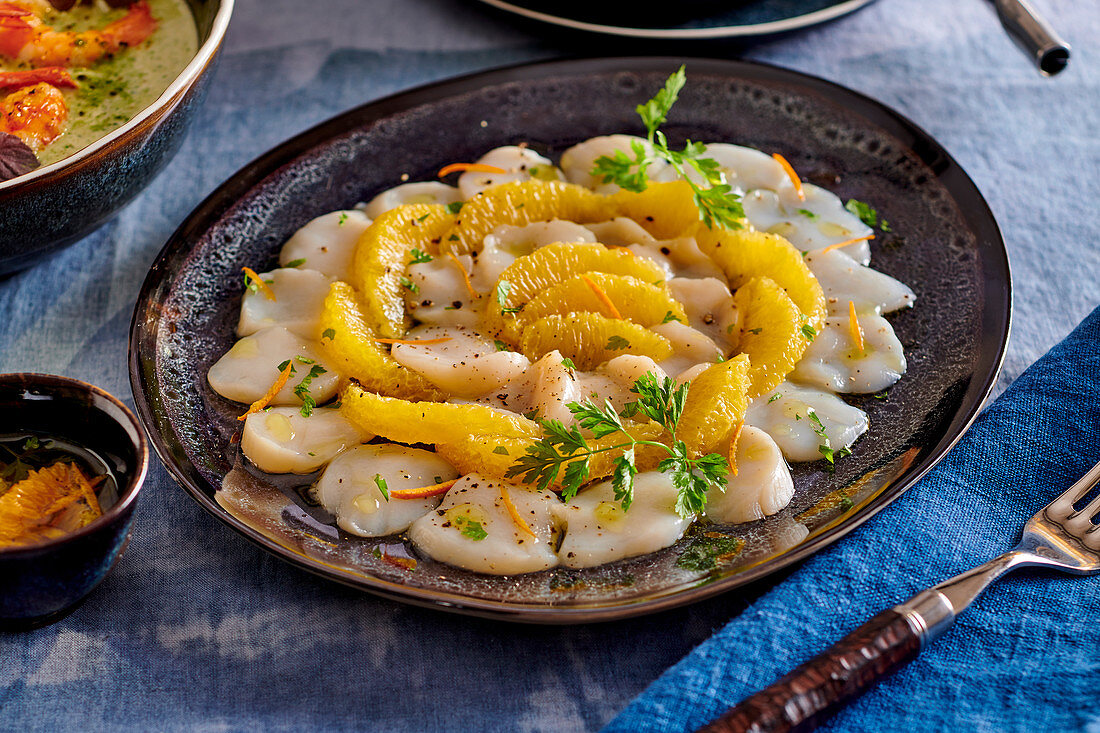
(198, 630)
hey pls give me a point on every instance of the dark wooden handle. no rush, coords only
(809, 694)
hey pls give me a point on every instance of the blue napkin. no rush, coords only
(1025, 656)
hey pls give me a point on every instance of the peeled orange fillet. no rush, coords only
(492, 455)
(519, 203)
(531, 275)
(744, 254)
(634, 299)
(716, 403)
(382, 255)
(665, 210)
(771, 333)
(590, 339)
(349, 343)
(403, 421)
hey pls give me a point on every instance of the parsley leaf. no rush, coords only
(568, 364)
(302, 390)
(503, 289)
(670, 316)
(469, 528)
(500, 450)
(616, 343)
(296, 263)
(328, 333)
(808, 332)
(867, 214)
(418, 257)
(382, 486)
(717, 202)
(501, 346)
(809, 214)
(408, 284)
(774, 397)
(565, 451)
(454, 207)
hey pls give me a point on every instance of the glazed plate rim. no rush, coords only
(995, 317)
(795, 22)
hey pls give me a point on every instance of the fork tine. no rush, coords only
(1084, 485)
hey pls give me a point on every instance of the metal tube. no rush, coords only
(1034, 35)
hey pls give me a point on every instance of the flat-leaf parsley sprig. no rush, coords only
(717, 202)
(566, 451)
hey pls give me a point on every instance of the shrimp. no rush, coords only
(54, 75)
(26, 38)
(37, 114)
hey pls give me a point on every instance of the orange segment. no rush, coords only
(665, 210)
(531, 275)
(634, 300)
(519, 203)
(716, 403)
(381, 256)
(403, 421)
(348, 341)
(744, 254)
(772, 333)
(590, 339)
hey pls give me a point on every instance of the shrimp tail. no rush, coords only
(133, 28)
(55, 75)
(15, 30)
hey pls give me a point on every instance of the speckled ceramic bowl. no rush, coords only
(42, 583)
(53, 206)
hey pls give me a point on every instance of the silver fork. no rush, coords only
(1056, 537)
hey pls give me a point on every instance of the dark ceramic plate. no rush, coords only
(691, 20)
(945, 245)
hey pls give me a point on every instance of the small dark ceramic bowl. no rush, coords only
(40, 584)
(53, 206)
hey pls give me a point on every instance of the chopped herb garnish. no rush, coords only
(419, 258)
(670, 316)
(774, 397)
(846, 504)
(296, 263)
(453, 238)
(867, 214)
(568, 364)
(343, 219)
(500, 450)
(717, 201)
(304, 360)
(809, 331)
(284, 365)
(501, 346)
(503, 289)
(809, 214)
(880, 395)
(328, 333)
(566, 451)
(704, 552)
(470, 528)
(454, 207)
(422, 218)
(302, 390)
(616, 343)
(408, 284)
(32, 443)
(826, 447)
(755, 331)
(382, 486)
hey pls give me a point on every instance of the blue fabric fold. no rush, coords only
(1023, 657)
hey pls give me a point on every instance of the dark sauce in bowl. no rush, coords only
(21, 453)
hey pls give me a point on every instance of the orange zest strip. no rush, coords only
(476, 167)
(611, 309)
(733, 446)
(412, 342)
(846, 242)
(789, 170)
(277, 385)
(424, 491)
(465, 276)
(514, 512)
(853, 326)
(259, 283)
